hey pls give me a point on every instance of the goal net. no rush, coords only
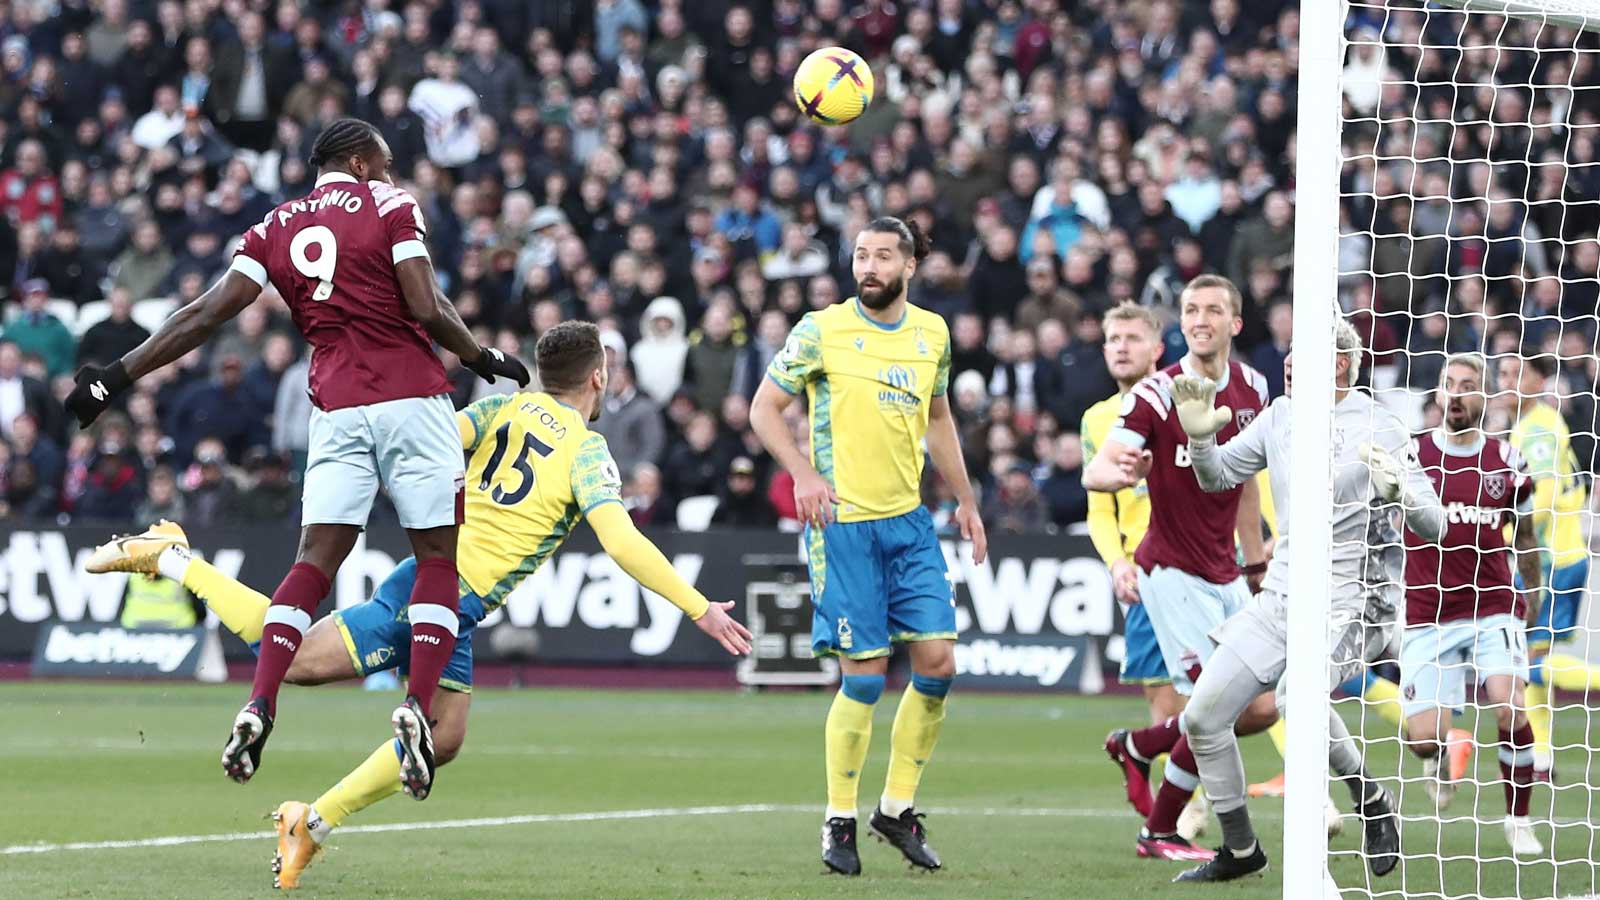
(1461, 178)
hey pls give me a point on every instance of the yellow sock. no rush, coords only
(1279, 733)
(845, 741)
(1384, 698)
(371, 781)
(240, 608)
(1537, 698)
(1571, 673)
(917, 724)
(1158, 765)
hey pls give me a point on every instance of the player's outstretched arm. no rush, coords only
(437, 316)
(645, 564)
(944, 445)
(1116, 466)
(187, 329)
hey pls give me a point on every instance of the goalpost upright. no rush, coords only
(1471, 127)
(1305, 848)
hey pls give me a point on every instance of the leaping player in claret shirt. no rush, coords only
(350, 262)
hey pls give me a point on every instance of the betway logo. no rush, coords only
(1467, 514)
(42, 578)
(1036, 662)
(115, 646)
(1010, 594)
(594, 588)
(590, 588)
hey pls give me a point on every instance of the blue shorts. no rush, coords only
(1563, 598)
(378, 632)
(878, 582)
(1141, 654)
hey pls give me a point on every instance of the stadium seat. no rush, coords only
(151, 313)
(66, 311)
(90, 314)
(694, 513)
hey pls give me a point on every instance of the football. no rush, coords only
(833, 86)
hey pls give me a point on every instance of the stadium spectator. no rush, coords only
(36, 330)
(997, 283)
(1268, 356)
(713, 355)
(66, 268)
(272, 496)
(692, 467)
(251, 79)
(220, 410)
(162, 499)
(740, 502)
(29, 191)
(448, 109)
(1015, 506)
(22, 394)
(662, 349)
(1045, 298)
(210, 487)
(114, 484)
(107, 340)
(647, 505)
(291, 413)
(631, 422)
(1062, 486)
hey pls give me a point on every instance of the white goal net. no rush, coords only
(1462, 179)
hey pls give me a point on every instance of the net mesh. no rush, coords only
(1469, 205)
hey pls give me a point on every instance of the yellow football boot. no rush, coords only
(296, 848)
(137, 552)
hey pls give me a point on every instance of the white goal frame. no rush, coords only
(1322, 52)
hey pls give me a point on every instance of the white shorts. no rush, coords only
(1185, 609)
(1259, 636)
(1435, 659)
(410, 446)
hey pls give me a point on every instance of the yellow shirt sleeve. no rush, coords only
(641, 559)
(474, 420)
(1104, 531)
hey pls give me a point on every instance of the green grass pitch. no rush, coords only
(1022, 802)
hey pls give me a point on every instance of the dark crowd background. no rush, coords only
(643, 165)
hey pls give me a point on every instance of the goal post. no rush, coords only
(1315, 284)
(1447, 181)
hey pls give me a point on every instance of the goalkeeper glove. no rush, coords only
(1387, 476)
(94, 390)
(1193, 398)
(492, 362)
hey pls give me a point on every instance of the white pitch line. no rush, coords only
(544, 818)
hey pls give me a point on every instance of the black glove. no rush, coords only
(492, 362)
(95, 388)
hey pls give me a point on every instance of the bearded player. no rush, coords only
(1252, 646)
(350, 261)
(1560, 499)
(536, 469)
(1188, 577)
(1462, 610)
(874, 370)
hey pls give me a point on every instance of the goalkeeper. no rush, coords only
(1367, 570)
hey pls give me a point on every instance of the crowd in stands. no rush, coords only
(643, 165)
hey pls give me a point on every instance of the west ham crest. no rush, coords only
(1244, 417)
(1494, 486)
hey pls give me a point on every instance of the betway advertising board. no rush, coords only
(1038, 614)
